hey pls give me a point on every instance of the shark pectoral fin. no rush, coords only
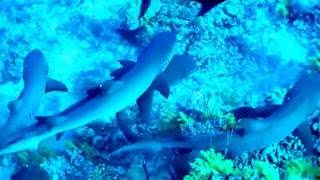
(58, 136)
(126, 66)
(12, 104)
(55, 85)
(144, 104)
(127, 63)
(160, 84)
(43, 123)
(179, 67)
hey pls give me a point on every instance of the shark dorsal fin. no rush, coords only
(55, 85)
(126, 66)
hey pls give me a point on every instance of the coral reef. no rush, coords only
(247, 53)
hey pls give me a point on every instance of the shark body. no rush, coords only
(105, 100)
(280, 121)
(299, 103)
(36, 84)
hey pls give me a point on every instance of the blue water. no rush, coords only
(238, 54)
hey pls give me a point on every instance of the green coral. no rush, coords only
(230, 121)
(89, 151)
(302, 169)
(265, 170)
(314, 61)
(283, 8)
(102, 172)
(211, 163)
(276, 96)
(184, 119)
(174, 120)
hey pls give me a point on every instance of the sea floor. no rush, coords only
(247, 53)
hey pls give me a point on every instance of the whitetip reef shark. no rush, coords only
(36, 84)
(206, 6)
(256, 133)
(106, 99)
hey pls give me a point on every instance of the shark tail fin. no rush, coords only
(145, 4)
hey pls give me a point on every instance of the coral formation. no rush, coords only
(246, 54)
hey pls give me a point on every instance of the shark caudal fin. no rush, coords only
(145, 4)
(126, 66)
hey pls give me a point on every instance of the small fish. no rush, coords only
(105, 100)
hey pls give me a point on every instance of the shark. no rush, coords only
(104, 100)
(144, 6)
(255, 133)
(36, 84)
(207, 5)
(130, 35)
(300, 102)
(179, 68)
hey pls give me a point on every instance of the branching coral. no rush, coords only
(265, 170)
(211, 163)
(283, 8)
(58, 168)
(302, 168)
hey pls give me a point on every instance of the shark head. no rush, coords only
(34, 66)
(23, 109)
(159, 51)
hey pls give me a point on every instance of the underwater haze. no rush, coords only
(159, 89)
